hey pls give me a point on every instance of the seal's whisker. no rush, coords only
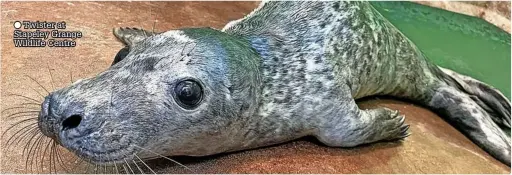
(165, 158)
(51, 75)
(36, 91)
(21, 112)
(144, 32)
(83, 160)
(37, 151)
(30, 103)
(17, 135)
(18, 138)
(40, 152)
(20, 131)
(115, 165)
(100, 166)
(116, 168)
(136, 165)
(60, 160)
(150, 169)
(77, 163)
(53, 157)
(19, 107)
(28, 146)
(22, 121)
(31, 152)
(153, 28)
(60, 154)
(32, 130)
(129, 167)
(125, 169)
(34, 152)
(71, 76)
(44, 155)
(105, 167)
(25, 97)
(16, 124)
(95, 168)
(109, 171)
(23, 117)
(53, 167)
(95, 165)
(38, 84)
(89, 165)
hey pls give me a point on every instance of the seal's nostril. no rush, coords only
(71, 122)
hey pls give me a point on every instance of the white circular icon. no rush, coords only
(17, 24)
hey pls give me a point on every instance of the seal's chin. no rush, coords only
(103, 157)
(120, 156)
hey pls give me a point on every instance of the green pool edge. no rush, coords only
(465, 44)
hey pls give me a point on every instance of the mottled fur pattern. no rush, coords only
(287, 70)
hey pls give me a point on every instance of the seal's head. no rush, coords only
(182, 92)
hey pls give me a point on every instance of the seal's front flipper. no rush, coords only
(130, 36)
(363, 126)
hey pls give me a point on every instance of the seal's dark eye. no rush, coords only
(188, 93)
(120, 55)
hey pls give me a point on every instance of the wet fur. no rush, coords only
(287, 70)
(368, 56)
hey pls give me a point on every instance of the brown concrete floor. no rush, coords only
(494, 12)
(433, 147)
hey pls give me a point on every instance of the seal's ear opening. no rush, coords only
(120, 55)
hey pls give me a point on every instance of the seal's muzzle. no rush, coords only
(45, 122)
(57, 123)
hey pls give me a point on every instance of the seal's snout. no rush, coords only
(56, 120)
(43, 118)
(84, 127)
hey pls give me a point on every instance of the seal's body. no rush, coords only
(287, 70)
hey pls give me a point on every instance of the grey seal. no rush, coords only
(286, 70)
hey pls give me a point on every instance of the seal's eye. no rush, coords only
(188, 93)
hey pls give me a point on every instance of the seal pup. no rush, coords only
(286, 70)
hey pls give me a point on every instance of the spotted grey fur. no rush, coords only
(287, 70)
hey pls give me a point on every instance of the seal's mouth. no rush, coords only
(100, 150)
(106, 158)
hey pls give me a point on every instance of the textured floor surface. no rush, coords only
(495, 12)
(433, 147)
